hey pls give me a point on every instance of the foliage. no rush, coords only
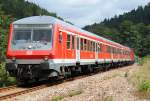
(140, 78)
(5, 80)
(4, 26)
(144, 86)
(22, 8)
(131, 29)
(144, 60)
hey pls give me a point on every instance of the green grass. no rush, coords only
(144, 86)
(57, 98)
(69, 94)
(73, 93)
(140, 78)
(144, 60)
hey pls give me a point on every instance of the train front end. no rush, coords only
(29, 48)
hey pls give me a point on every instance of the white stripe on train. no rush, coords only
(38, 61)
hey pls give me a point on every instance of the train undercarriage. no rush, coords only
(37, 72)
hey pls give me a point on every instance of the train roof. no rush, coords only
(51, 20)
(36, 20)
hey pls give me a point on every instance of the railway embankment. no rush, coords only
(113, 85)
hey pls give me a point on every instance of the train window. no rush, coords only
(85, 44)
(88, 45)
(68, 41)
(91, 46)
(99, 48)
(72, 42)
(107, 49)
(81, 46)
(77, 43)
(113, 50)
(22, 35)
(96, 47)
(60, 37)
(116, 50)
(41, 35)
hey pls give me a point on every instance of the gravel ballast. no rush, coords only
(106, 86)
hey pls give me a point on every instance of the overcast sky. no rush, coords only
(84, 12)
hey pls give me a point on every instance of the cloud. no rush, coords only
(84, 12)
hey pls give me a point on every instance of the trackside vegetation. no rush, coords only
(69, 94)
(141, 78)
(5, 80)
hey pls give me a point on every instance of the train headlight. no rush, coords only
(46, 58)
(13, 59)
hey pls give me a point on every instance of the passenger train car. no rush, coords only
(41, 47)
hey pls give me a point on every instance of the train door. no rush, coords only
(77, 49)
(62, 40)
(111, 53)
(96, 52)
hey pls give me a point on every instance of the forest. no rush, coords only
(131, 29)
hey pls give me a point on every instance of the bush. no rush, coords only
(5, 79)
(144, 60)
(144, 86)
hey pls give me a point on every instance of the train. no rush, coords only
(42, 47)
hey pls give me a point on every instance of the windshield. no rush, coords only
(31, 39)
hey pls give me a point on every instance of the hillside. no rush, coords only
(131, 29)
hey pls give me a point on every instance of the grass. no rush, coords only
(108, 98)
(70, 94)
(141, 78)
(144, 60)
(57, 98)
(144, 86)
(73, 93)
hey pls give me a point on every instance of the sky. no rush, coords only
(86, 12)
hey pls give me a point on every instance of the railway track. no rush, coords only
(3, 89)
(13, 91)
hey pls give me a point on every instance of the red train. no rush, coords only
(40, 47)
